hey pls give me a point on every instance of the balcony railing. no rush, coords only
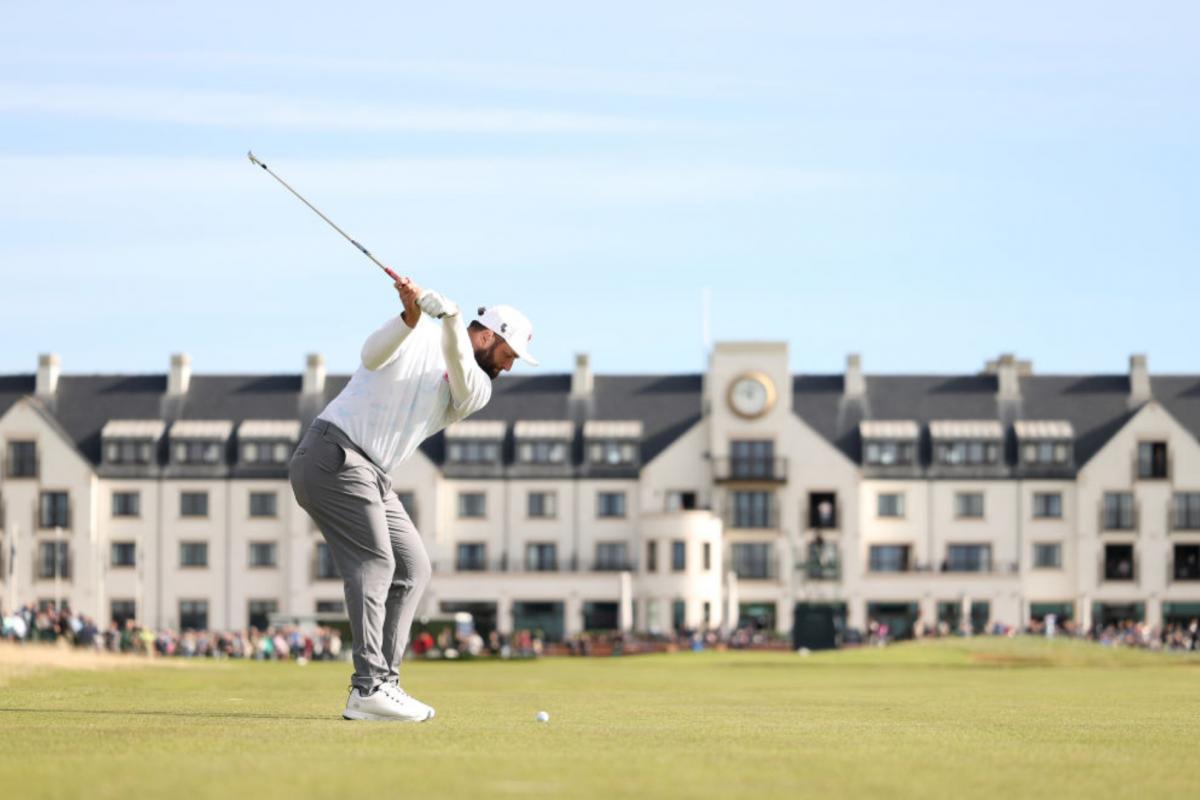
(756, 571)
(767, 519)
(1182, 519)
(45, 572)
(820, 571)
(608, 565)
(773, 470)
(1118, 570)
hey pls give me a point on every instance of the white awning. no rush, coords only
(902, 429)
(966, 429)
(1044, 429)
(612, 429)
(270, 429)
(476, 429)
(133, 429)
(201, 429)
(544, 429)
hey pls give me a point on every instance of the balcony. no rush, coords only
(1119, 519)
(609, 565)
(1118, 569)
(761, 520)
(820, 570)
(751, 470)
(756, 571)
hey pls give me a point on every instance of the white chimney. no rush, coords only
(314, 375)
(1007, 372)
(853, 383)
(1139, 380)
(581, 380)
(181, 374)
(47, 375)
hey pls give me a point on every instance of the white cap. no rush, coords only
(512, 326)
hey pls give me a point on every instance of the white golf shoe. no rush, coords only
(387, 703)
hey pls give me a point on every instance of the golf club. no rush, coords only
(363, 250)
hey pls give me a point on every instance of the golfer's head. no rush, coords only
(501, 335)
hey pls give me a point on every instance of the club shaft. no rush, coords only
(332, 224)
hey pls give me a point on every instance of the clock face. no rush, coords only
(751, 395)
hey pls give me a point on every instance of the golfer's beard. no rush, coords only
(485, 358)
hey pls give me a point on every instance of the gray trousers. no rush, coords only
(374, 544)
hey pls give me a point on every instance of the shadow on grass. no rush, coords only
(184, 714)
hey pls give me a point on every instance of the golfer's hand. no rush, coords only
(435, 305)
(409, 292)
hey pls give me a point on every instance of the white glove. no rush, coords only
(435, 305)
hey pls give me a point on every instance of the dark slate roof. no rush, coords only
(667, 405)
(1096, 405)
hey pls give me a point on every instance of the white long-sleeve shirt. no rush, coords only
(411, 384)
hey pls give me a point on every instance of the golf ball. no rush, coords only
(542, 716)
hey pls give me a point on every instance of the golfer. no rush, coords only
(413, 382)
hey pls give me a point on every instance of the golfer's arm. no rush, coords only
(382, 345)
(470, 389)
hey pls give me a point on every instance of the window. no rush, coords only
(193, 615)
(1186, 562)
(678, 614)
(891, 505)
(750, 458)
(124, 554)
(121, 610)
(193, 554)
(610, 504)
(652, 556)
(263, 504)
(1045, 453)
(193, 504)
(542, 505)
(408, 499)
(1152, 460)
(706, 551)
(753, 560)
(1186, 510)
(612, 453)
(888, 558)
(266, 452)
(969, 505)
(753, 509)
(470, 451)
(54, 560)
(681, 501)
(472, 505)
(541, 557)
(331, 606)
(888, 453)
(325, 568)
(959, 453)
(822, 510)
(263, 554)
(471, 557)
(128, 451)
(542, 452)
(1118, 511)
(1047, 505)
(678, 555)
(54, 510)
(258, 613)
(1118, 562)
(612, 556)
(126, 504)
(1047, 555)
(968, 558)
(22, 460)
(198, 452)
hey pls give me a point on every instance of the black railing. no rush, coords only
(1120, 519)
(752, 518)
(820, 571)
(756, 571)
(750, 469)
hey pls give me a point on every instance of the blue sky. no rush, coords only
(929, 184)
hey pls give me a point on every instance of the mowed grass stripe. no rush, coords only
(979, 718)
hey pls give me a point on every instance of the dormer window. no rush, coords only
(543, 441)
(888, 443)
(199, 442)
(476, 442)
(612, 443)
(267, 441)
(1045, 443)
(131, 441)
(966, 443)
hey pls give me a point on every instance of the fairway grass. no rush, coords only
(972, 719)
